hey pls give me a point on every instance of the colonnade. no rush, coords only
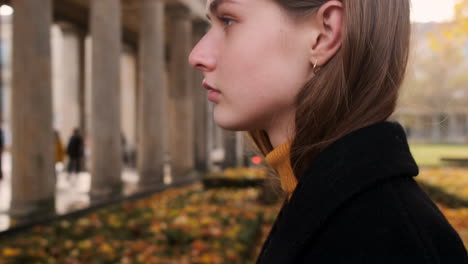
(166, 104)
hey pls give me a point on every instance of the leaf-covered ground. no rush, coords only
(178, 226)
(187, 225)
(451, 180)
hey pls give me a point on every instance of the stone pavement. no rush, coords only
(72, 191)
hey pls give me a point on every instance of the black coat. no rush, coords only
(75, 148)
(358, 203)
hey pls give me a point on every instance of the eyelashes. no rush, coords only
(223, 21)
(227, 22)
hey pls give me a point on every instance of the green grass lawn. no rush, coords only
(429, 154)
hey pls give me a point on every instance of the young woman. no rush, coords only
(314, 81)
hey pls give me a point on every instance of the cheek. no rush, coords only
(260, 77)
(256, 92)
(264, 65)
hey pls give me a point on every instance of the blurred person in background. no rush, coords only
(75, 152)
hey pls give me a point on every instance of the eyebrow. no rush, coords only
(215, 5)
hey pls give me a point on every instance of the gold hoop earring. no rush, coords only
(315, 66)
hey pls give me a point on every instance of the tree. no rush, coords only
(436, 77)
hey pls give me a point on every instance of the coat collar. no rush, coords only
(349, 166)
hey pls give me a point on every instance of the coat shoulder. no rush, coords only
(392, 222)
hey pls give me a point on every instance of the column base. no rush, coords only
(181, 179)
(151, 182)
(201, 166)
(23, 211)
(105, 193)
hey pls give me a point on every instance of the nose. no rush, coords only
(202, 56)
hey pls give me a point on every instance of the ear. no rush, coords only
(327, 37)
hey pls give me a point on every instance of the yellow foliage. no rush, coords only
(85, 244)
(106, 249)
(11, 252)
(452, 180)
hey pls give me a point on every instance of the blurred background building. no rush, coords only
(434, 101)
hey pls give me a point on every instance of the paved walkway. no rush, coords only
(71, 193)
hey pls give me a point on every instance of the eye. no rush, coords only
(226, 21)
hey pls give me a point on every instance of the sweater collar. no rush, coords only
(279, 160)
(347, 167)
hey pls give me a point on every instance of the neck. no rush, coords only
(280, 132)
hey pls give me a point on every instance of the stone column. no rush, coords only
(200, 106)
(180, 96)
(240, 149)
(436, 127)
(210, 142)
(452, 128)
(33, 181)
(466, 127)
(216, 145)
(427, 127)
(229, 149)
(152, 94)
(459, 121)
(106, 154)
(419, 126)
(88, 72)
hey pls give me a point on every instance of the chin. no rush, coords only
(230, 122)
(232, 126)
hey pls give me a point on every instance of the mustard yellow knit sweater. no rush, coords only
(278, 159)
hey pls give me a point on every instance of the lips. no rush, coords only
(209, 87)
(213, 94)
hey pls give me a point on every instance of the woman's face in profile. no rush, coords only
(256, 58)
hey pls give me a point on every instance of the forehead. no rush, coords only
(212, 5)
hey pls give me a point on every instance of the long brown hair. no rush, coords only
(359, 86)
